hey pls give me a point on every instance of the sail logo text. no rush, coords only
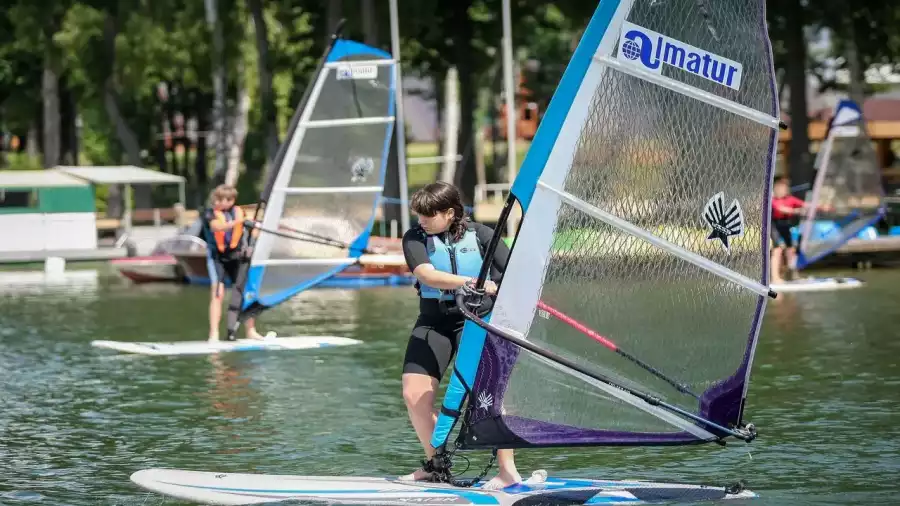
(352, 71)
(649, 50)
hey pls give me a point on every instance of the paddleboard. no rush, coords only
(816, 285)
(205, 347)
(234, 489)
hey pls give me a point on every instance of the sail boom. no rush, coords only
(386, 260)
(308, 261)
(326, 123)
(690, 91)
(659, 242)
(294, 190)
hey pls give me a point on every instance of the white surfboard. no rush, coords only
(205, 347)
(235, 488)
(816, 285)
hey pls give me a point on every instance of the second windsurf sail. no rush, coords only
(847, 195)
(320, 203)
(631, 304)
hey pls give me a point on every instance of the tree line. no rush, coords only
(135, 81)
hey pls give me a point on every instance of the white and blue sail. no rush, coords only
(328, 177)
(847, 196)
(655, 162)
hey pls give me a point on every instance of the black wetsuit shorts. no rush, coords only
(781, 233)
(432, 344)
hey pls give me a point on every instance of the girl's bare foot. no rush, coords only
(502, 480)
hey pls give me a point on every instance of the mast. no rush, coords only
(510, 96)
(400, 123)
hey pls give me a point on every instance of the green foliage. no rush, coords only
(168, 41)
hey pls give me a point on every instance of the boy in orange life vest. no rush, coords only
(227, 254)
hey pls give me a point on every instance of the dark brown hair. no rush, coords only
(439, 197)
(780, 179)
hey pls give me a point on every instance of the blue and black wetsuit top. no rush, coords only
(463, 257)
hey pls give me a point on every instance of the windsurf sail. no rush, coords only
(328, 177)
(630, 308)
(847, 194)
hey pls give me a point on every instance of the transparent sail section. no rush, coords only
(640, 227)
(323, 200)
(847, 194)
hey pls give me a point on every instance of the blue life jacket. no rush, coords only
(462, 258)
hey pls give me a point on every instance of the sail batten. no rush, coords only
(347, 122)
(299, 190)
(645, 201)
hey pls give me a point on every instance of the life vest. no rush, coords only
(233, 236)
(462, 258)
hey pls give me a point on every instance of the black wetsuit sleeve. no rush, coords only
(414, 249)
(501, 253)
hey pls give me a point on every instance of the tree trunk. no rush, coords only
(466, 179)
(31, 140)
(69, 129)
(857, 75)
(238, 135)
(218, 66)
(266, 95)
(795, 75)
(202, 169)
(126, 136)
(50, 98)
(370, 26)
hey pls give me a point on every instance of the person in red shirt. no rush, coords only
(786, 209)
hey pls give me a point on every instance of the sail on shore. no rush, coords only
(321, 201)
(847, 194)
(660, 135)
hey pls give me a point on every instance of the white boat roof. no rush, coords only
(37, 179)
(124, 174)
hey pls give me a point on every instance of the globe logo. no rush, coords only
(631, 50)
(361, 169)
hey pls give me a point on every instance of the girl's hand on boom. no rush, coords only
(490, 287)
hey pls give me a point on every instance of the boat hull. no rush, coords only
(151, 269)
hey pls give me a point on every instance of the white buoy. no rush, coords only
(54, 266)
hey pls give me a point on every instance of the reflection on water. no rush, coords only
(76, 421)
(32, 283)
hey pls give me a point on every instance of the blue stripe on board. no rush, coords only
(561, 103)
(474, 497)
(605, 499)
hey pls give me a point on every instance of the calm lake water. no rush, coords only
(76, 421)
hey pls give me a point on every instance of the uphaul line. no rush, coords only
(649, 49)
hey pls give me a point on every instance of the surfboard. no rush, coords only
(236, 488)
(816, 285)
(205, 347)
